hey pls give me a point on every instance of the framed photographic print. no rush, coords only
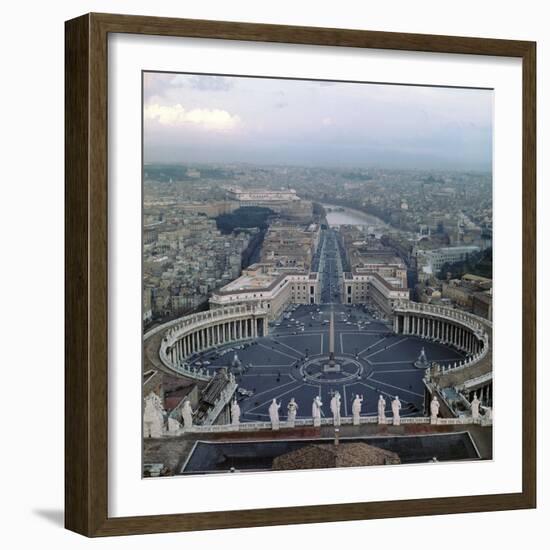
(300, 275)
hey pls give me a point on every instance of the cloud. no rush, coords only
(204, 83)
(177, 115)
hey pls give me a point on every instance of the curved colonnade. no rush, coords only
(184, 338)
(201, 331)
(466, 332)
(469, 333)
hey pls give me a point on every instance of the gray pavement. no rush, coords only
(374, 361)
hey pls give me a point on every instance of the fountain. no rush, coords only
(422, 361)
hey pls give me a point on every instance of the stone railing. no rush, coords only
(187, 370)
(304, 422)
(477, 381)
(221, 402)
(461, 365)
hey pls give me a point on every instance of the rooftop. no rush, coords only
(250, 282)
(217, 453)
(256, 282)
(335, 456)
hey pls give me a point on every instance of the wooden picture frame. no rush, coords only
(86, 282)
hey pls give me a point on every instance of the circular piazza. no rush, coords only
(291, 361)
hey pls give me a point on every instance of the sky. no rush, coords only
(229, 119)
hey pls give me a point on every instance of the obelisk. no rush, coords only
(331, 340)
(332, 365)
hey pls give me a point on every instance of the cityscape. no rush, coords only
(330, 313)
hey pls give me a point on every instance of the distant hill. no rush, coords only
(179, 172)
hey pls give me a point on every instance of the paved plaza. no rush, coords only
(373, 361)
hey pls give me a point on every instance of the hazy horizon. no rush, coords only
(267, 121)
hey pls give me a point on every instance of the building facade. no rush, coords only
(261, 285)
(371, 288)
(438, 257)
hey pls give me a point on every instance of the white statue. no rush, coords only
(316, 411)
(153, 419)
(395, 408)
(335, 403)
(187, 415)
(292, 409)
(475, 407)
(434, 409)
(381, 409)
(173, 425)
(274, 414)
(356, 409)
(235, 413)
